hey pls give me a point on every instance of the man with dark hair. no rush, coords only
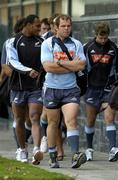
(24, 58)
(52, 31)
(60, 91)
(45, 26)
(102, 60)
(19, 25)
(7, 71)
(102, 28)
(43, 121)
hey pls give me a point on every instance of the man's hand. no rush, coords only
(76, 65)
(33, 73)
(76, 61)
(77, 58)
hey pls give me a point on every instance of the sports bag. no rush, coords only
(113, 98)
(4, 89)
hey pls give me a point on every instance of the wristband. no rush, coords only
(28, 72)
(58, 62)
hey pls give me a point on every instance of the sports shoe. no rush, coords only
(78, 159)
(44, 144)
(30, 140)
(21, 155)
(37, 157)
(53, 163)
(89, 154)
(113, 154)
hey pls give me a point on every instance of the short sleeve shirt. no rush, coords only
(50, 53)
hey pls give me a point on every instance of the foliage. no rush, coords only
(14, 170)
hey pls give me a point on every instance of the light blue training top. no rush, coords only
(49, 53)
(12, 57)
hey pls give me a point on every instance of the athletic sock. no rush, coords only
(111, 135)
(44, 125)
(15, 136)
(27, 132)
(89, 136)
(73, 140)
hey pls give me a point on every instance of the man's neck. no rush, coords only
(26, 32)
(60, 37)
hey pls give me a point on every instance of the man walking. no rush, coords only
(101, 54)
(23, 55)
(60, 91)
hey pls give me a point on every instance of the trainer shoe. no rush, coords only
(37, 157)
(21, 155)
(44, 144)
(53, 163)
(30, 140)
(113, 154)
(18, 154)
(78, 159)
(89, 154)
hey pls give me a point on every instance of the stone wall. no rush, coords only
(84, 30)
(101, 9)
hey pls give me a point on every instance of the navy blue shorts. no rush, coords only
(25, 97)
(96, 97)
(55, 98)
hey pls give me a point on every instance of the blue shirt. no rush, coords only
(49, 53)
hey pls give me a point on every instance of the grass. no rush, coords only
(14, 170)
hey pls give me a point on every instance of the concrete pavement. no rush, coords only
(99, 169)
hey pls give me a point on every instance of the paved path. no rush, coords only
(99, 169)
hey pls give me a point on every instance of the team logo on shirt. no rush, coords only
(92, 51)
(15, 100)
(22, 44)
(59, 55)
(111, 52)
(37, 44)
(101, 58)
